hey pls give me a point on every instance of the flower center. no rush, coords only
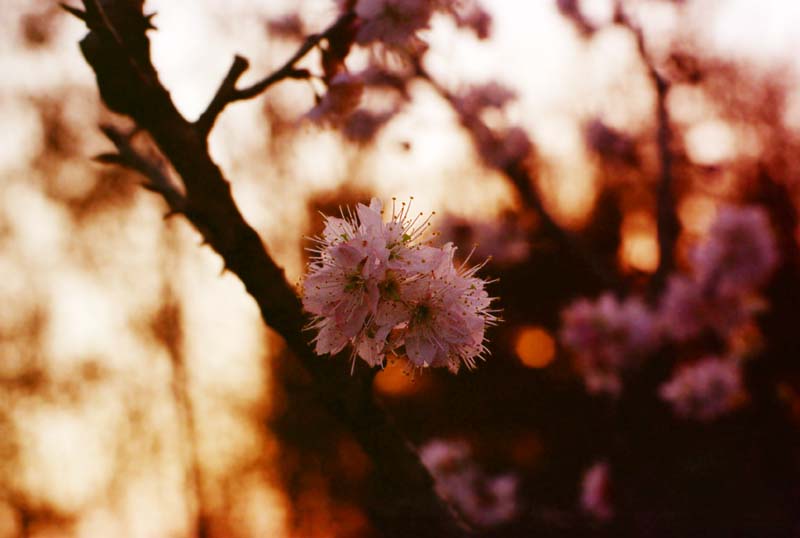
(353, 282)
(421, 314)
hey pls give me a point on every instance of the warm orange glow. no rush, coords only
(639, 248)
(397, 379)
(569, 190)
(696, 213)
(535, 347)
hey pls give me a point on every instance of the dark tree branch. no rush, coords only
(403, 501)
(229, 93)
(666, 216)
(127, 156)
(519, 177)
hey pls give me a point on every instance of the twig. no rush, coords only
(520, 178)
(403, 502)
(666, 217)
(157, 179)
(228, 92)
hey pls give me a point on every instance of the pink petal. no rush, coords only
(420, 350)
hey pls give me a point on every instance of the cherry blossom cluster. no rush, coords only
(706, 389)
(484, 500)
(729, 267)
(389, 31)
(504, 143)
(714, 302)
(607, 337)
(378, 287)
(396, 23)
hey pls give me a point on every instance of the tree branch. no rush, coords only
(520, 178)
(403, 502)
(666, 216)
(157, 179)
(228, 93)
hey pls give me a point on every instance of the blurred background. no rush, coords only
(142, 396)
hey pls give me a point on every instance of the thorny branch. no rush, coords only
(229, 93)
(403, 502)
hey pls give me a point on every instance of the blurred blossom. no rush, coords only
(499, 146)
(478, 98)
(445, 458)
(483, 500)
(376, 286)
(609, 142)
(341, 99)
(738, 255)
(473, 16)
(596, 492)
(606, 337)
(706, 389)
(740, 251)
(505, 148)
(381, 75)
(289, 26)
(393, 23)
(689, 307)
(504, 239)
(362, 125)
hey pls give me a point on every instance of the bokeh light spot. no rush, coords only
(397, 379)
(535, 347)
(639, 248)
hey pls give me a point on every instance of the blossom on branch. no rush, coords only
(738, 256)
(378, 287)
(485, 500)
(341, 99)
(688, 308)
(706, 389)
(740, 251)
(606, 337)
(395, 24)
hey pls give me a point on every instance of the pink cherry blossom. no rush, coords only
(706, 389)
(740, 251)
(484, 500)
(471, 15)
(480, 97)
(606, 337)
(689, 307)
(448, 313)
(341, 99)
(376, 286)
(596, 492)
(392, 22)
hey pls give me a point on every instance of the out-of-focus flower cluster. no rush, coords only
(377, 286)
(716, 301)
(484, 500)
(390, 31)
(504, 240)
(499, 143)
(607, 337)
(706, 389)
(595, 498)
(395, 23)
